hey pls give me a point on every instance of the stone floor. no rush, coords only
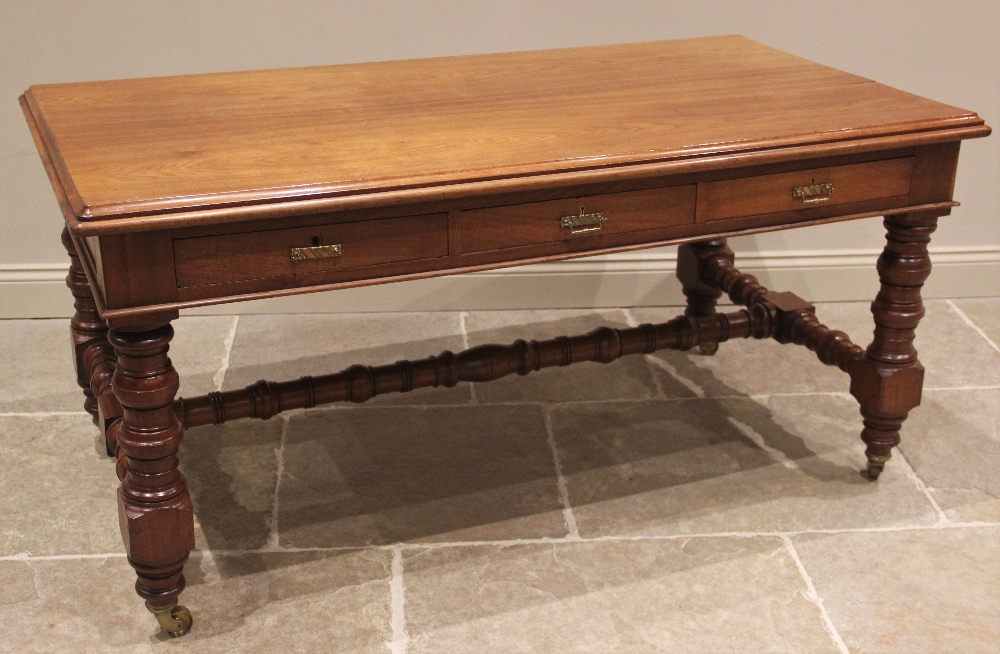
(672, 503)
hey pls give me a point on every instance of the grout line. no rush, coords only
(734, 396)
(397, 604)
(812, 596)
(690, 384)
(757, 439)
(968, 321)
(465, 330)
(649, 359)
(220, 376)
(63, 557)
(462, 315)
(40, 414)
(273, 538)
(912, 473)
(572, 530)
(987, 387)
(347, 406)
(630, 319)
(422, 546)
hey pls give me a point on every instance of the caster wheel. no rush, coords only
(876, 466)
(708, 349)
(174, 620)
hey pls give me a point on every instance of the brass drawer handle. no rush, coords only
(814, 193)
(583, 222)
(316, 252)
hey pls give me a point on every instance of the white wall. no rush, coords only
(945, 50)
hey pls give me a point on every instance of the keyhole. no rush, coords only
(315, 241)
(581, 211)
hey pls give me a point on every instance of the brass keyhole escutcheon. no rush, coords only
(814, 193)
(583, 222)
(316, 251)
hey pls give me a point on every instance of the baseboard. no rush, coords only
(626, 279)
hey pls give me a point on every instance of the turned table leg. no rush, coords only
(154, 508)
(86, 327)
(701, 297)
(888, 379)
(93, 356)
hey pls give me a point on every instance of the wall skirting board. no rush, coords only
(621, 280)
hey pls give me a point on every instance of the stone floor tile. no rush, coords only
(752, 367)
(360, 476)
(37, 372)
(277, 602)
(634, 597)
(952, 440)
(984, 312)
(57, 494)
(927, 590)
(784, 463)
(197, 351)
(629, 377)
(284, 347)
(231, 471)
(952, 352)
(38, 375)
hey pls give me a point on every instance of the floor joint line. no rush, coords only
(397, 604)
(813, 596)
(546, 540)
(968, 321)
(41, 414)
(462, 317)
(572, 530)
(919, 483)
(274, 538)
(220, 377)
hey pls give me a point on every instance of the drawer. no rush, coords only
(269, 253)
(804, 189)
(574, 218)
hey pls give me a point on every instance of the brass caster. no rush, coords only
(708, 349)
(174, 620)
(876, 464)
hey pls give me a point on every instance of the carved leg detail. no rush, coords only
(155, 512)
(888, 379)
(701, 297)
(86, 328)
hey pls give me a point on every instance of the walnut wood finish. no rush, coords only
(701, 296)
(191, 190)
(762, 194)
(797, 322)
(237, 257)
(87, 329)
(522, 224)
(783, 316)
(887, 381)
(313, 133)
(155, 511)
(479, 364)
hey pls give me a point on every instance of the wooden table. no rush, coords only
(185, 191)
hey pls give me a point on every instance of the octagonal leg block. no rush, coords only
(888, 380)
(154, 507)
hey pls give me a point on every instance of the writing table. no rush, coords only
(202, 189)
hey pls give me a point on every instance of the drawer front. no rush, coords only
(585, 217)
(287, 252)
(804, 189)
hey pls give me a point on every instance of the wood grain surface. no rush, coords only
(165, 145)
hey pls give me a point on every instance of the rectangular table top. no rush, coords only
(159, 146)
